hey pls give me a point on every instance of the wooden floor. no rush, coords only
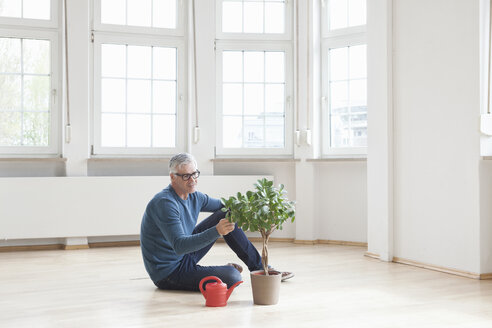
(334, 286)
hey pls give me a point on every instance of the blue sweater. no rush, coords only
(167, 227)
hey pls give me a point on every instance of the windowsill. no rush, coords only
(341, 158)
(33, 159)
(487, 158)
(128, 159)
(252, 159)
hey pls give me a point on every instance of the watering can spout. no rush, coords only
(229, 291)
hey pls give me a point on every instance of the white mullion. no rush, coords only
(328, 97)
(348, 14)
(349, 109)
(264, 18)
(22, 89)
(126, 12)
(242, 13)
(126, 94)
(152, 94)
(242, 113)
(152, 17)
(264, 92)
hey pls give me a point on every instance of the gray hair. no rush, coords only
(181, 159)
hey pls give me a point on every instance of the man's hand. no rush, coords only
(224, 227)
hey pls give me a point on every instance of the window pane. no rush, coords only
(36, 129)
(139, 96)
(139, 12)
(113, 61)
(10, 128)
(25, 97)
(254, 64)
(274, 98)
(357, 12)
(274, 132)
(36, 56)
(139, 62)
(338, 64)
(274, 21)
(165, 13)
(253, 17)
(274, 66)
(113, 12)
(232, 17)
(358, 62)
(36, 93)
(232, 99)
(11, 55)
(232, 132)
(164, 131)
(164, 97)
(10, 92)
(139, 129)
(358, 93)
(150, 88)
(253, 132)
(10, 8)
(359, 130)
(261, 93)
(113, 130)
(338, 14)
(339, 97)
(339, 131)
(253, 99)
(37, 9)
(232, 66)
(164, 63)
(113, 93)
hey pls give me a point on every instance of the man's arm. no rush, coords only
(171, 226)
(210, 204)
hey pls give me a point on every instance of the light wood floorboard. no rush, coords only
(334, 286)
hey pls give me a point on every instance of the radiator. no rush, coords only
(63, 207)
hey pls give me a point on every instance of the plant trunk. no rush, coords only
(264, 253)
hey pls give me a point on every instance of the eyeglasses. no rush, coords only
(187, 177)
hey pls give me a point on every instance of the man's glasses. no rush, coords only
(187, 177)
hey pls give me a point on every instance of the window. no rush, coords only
(267, 17)
(344, 77)
(138, 78)
(254, 78)
(29, 84)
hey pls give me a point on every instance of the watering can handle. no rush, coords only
(200, 285)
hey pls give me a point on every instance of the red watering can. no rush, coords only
(217, 293)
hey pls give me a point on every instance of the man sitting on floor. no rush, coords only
(172, 245)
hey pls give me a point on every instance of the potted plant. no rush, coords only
(265, 210)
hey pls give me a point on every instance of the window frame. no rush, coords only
(287, 35)
(41, 32)
(289, 96)
(143, 36)
(178, 31)
(339, 38)
(98, 149)
(55, 14)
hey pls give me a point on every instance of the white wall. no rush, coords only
(485, 216)
(341, 200)
(436, 111)
(435, 141)
(60, 207)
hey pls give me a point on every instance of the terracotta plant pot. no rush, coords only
(266, 289)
